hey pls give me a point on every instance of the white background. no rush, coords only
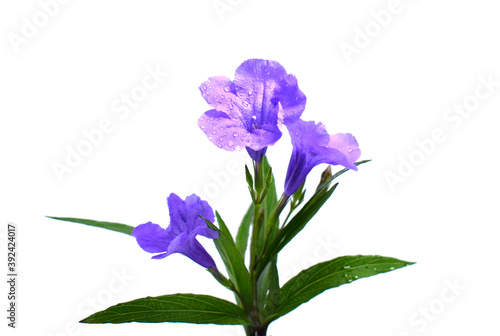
(65, 77)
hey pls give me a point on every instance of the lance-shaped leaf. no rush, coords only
(233, 260)
(244, 231)
(268, 289)
(296, 224)
(318, 278)
(123, 228)
(269, 204)
(300, 220)
(187, 308)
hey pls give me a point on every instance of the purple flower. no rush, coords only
(180, 235)
(248, 112)
(313, 145)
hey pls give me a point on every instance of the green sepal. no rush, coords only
(249, 177)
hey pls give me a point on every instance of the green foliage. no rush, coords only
(123, 228)
(188, 308)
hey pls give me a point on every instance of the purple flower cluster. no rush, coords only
(249, 112)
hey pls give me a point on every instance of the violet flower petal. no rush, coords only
(152, 238)
(180, 235)
(311, 146)
(252, 108)
(231, 134)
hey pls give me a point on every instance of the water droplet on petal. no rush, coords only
(226, 89)
(250, 92)
(349, 150)
(245, 103)
(235, 134)
(230, 143)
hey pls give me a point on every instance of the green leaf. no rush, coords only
(268, 289)
(318, 278)
(244, 231)
(187, 308)
(300, 220)
(269, 203)
(233, 260)
(271, 198)
(249, 178)
(123, 228)
(296, 224)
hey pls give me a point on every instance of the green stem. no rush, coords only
(256, 331)
(256, 228)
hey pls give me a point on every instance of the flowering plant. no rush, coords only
(249, 113)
